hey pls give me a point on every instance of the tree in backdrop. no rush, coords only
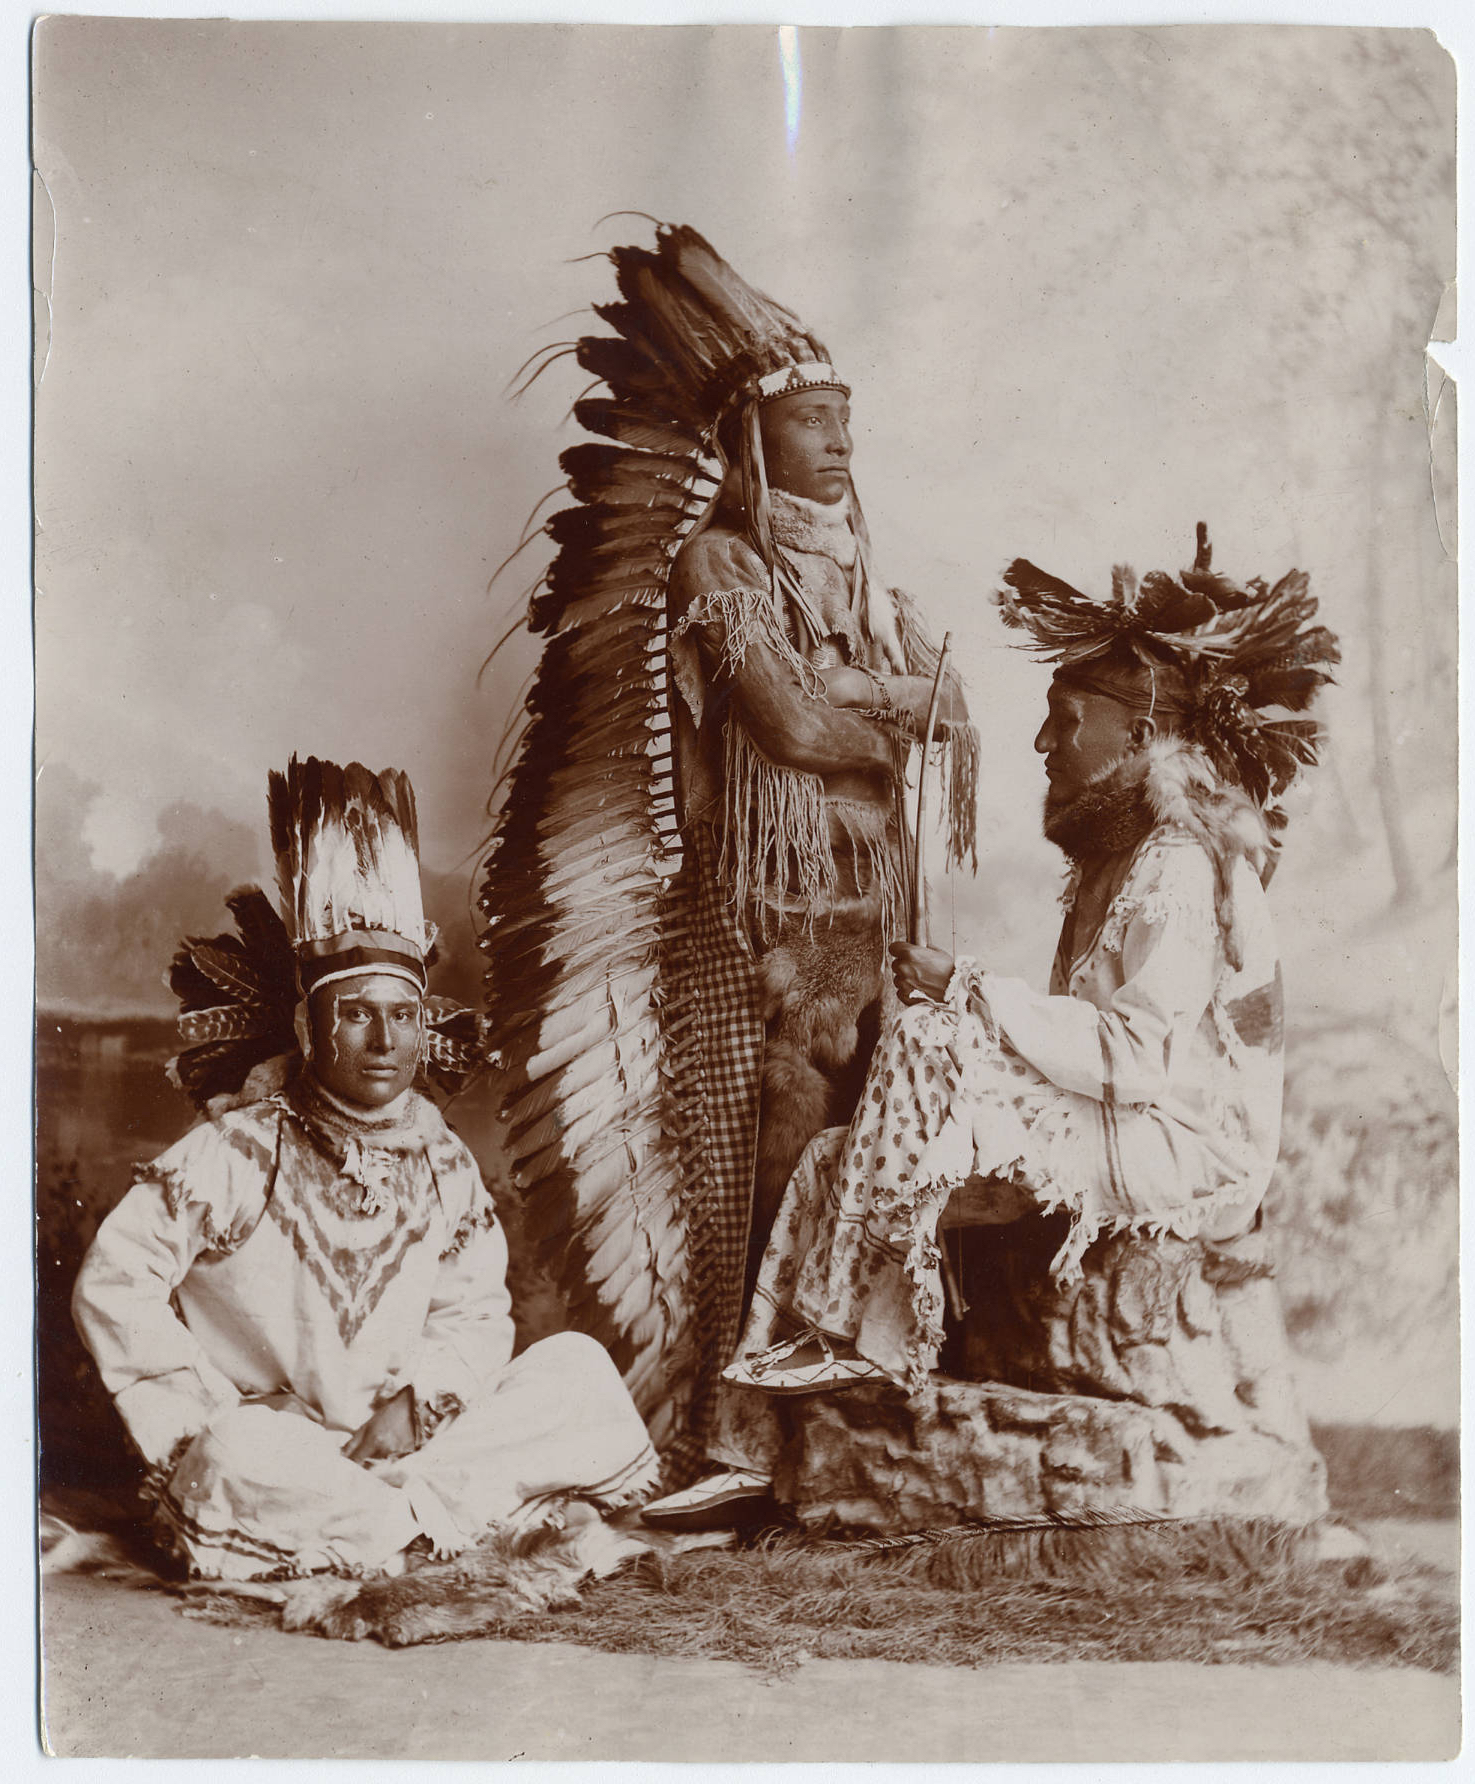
(1363, 184)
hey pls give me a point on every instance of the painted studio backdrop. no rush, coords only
(1091, 287)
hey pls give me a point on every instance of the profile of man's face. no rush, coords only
(1084, 736)
(806, 444)
(365, 1037)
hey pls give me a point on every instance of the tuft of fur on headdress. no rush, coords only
(1247, 653)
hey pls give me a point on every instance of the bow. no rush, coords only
(917, 927)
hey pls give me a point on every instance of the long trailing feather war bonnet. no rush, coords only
(586, 933)
(1234, 665)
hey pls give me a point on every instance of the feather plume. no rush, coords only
(1263, 654)
(237, 996)
(1068, 626)
(238, 993)
(347, 851)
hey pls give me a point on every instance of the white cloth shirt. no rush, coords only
(245, 1263)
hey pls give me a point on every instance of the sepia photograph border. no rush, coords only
(16, 1110)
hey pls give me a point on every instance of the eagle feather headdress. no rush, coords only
(587, 921)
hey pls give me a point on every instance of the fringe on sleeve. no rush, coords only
(480, 1217)
(739, 615)
(183, 1194)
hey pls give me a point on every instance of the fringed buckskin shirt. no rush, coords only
(784, 808)
(274, 1279)
(1141, 1093)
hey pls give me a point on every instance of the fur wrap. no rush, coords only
(1180, 790)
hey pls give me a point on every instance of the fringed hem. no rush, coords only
(634, 1485)
(986, 1138)
(781, 837)
(1086, 1227)
(960, 754)
(1031, 1173)
(776, 838)
(922, 1267)
(481, 1216)
(866, 832)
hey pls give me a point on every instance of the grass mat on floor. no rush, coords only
(971, 1602)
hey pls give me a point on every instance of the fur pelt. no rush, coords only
(501, 1582)
(819, 991)
(795, 1106)
(1183, 789)
(814, 983)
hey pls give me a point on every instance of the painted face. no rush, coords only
(1083, 738)
(806, 444)
(366, 1037)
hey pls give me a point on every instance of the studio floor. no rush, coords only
(125, 1674)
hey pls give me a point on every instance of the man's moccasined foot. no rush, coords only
(812, 1363)
(730, 1496)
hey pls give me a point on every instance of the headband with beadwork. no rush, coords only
(794, 380)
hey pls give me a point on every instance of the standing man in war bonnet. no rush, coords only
(301, 1308)
(701, 856)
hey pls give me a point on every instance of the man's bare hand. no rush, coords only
(387, 1433)
(911, 696)
(924, 972)
(903, 698)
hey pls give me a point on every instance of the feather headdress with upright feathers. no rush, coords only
(586, 926)
(1246, 659)
(348, 870)
(348, 878)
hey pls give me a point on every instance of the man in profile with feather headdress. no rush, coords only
(803, 683)
(301, 1308)
(1105, 1147)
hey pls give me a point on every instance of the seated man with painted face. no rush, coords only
(1119, 1131)
(301, 1308)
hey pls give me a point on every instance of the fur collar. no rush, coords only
(820, 527)
(412, 1123)
(1184, 791)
